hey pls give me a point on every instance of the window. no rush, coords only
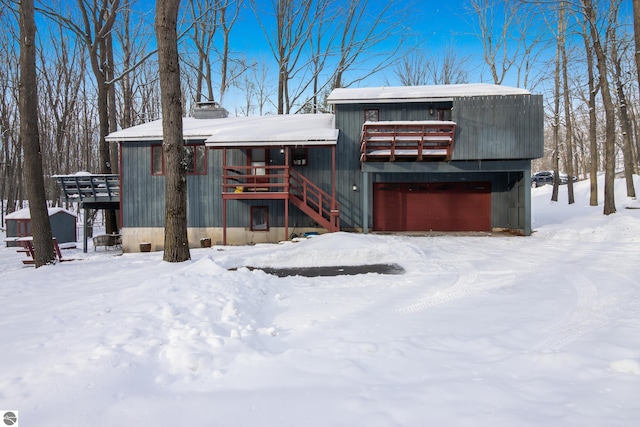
(157, 160)
(195, 159)
(371, 115)
(299, 156)
(259, 218)
(444, 114)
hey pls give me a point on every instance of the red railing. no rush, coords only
(388, 141)
(251, 179)
(315, 202)
(281, 182)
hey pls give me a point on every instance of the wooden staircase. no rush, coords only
(282, 183)
(313, 201)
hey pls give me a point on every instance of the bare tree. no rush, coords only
(176, 243)
(293, 29)
(591, 16)
(363, 28)
(40, 225)
(556, 107)
(509, 36)
(62, 68)
(636, 38)
(204, 14)
(229, 12)
(412, 69)
(562, 40)
(256, 88)
(616, 45)
(594, 88)
(94, 30)
(11, 158)
(417, 68)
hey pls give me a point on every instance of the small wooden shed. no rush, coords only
(63, 225)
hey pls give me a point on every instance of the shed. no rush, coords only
(63, 225)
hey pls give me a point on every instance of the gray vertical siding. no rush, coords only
(63, 227)
(498, 127)
(143, 193)
(488, 128)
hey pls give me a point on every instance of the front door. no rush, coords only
(258, 160)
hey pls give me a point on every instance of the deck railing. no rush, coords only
(281, 182)
(90, 187)
(324, 208)
(253, 179)
(411, 141)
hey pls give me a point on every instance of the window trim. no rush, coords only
(158, 147)
(154, 149)
(371, 110)
(303, 157)
(442, 112)
(195, 157)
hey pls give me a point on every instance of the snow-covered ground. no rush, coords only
(479, 331)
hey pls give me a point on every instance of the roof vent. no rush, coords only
(209, 110)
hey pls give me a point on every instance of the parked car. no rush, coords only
(546, 177)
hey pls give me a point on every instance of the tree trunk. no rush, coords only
(556, 113)
(636, 31)
(625, 121)
(29, 135)
(593, 128)
(176, 244)
(567, 108)
(609, 110)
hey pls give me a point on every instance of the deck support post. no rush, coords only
(365, 202)
(526, 181)
(224, 201)
(224, 222)
(287, 182)
(85, 229)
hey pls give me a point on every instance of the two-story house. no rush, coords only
(390, 159)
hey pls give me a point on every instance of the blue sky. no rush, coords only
(431, 25)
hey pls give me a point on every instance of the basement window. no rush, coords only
(259, 218)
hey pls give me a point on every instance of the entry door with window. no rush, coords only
(259, 159)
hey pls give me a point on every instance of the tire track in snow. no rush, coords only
(590, 313)
(465, 285)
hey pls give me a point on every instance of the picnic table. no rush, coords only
(27, 248)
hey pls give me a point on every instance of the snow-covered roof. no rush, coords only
(387, 94)
(289, 129)
(26, 214)
(294, 129)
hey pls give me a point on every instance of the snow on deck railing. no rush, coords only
(84, 187)
(408, 140)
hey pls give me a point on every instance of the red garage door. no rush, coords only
(443, 206)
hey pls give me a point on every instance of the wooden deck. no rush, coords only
(90, 188)
(407, 141)
(281, 183)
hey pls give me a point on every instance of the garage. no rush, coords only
(434, 206)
